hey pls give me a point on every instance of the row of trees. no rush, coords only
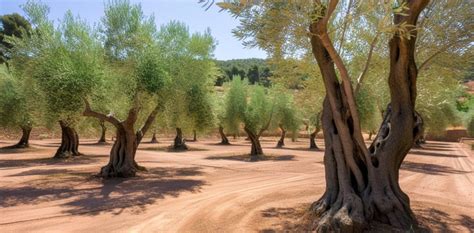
(256, 71)
(129, 75)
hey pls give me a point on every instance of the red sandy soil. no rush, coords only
(209, 189)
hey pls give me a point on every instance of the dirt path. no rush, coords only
(209, 189)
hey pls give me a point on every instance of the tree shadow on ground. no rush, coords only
(83, 159)
(84, 194)
(302, 149)
(431, 169)
(434, 220)
(12, 150)
(287, 219)
(171, 149)
(431, 153)
(246, 158)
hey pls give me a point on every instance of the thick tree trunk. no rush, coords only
(122, 156)
(281, 142)
(362, 185)
(69, 142)
(179, 141)
(102, 139)
(153, 138)
(25, 137)
(312, 139)
(256, 151)
(224, 140)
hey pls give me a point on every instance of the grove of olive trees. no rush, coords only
(360, 87)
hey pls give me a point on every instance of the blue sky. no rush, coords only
(187, 11)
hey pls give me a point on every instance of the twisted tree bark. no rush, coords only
(102, 139)
(312, 139)
(179, 141)
(224, 139)
(122, 155)
(362, 184)
(153, 138)
(69, 142)
(256, 151)
(281, 142)
(25, 137)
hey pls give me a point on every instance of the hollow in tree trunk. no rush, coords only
(281, 142)
(179, 141)
(25, 137)
(256, 151)
(224, 139)
(312, 139)
(103, 129)
(69, 142)
(362, 185)
(153, 138)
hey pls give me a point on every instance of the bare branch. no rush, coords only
(90, 113)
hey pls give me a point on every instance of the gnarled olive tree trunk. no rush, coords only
(256, 151)
(103, 129)
(224, 139)
(312, 139)
(281, 142)
(122, 155)
(69, 142)
(179, 141)
(153, 138)
(194, 136)
(362, 184)
(25, 137)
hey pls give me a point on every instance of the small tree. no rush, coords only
(188, 61)
(20, 105)
(257, 119)
(235, 105)
(285, 115)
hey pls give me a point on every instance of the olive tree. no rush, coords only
(20, 104)
(192, 72)
(65, 64)
(137, 75)
(361, 183)
(285, 115)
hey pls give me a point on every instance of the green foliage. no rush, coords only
(235, 104)
(151, 72)
(11, 25)
(68, 68)
(259, 112)
(285, 111)
(470, 127)
(12, 103)
(200, 108)
(255, 70)
(126, 29)
(369, 113)
(188, 62)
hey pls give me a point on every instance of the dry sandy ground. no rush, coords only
(209, 189)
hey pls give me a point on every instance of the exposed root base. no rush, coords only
(122, 172)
